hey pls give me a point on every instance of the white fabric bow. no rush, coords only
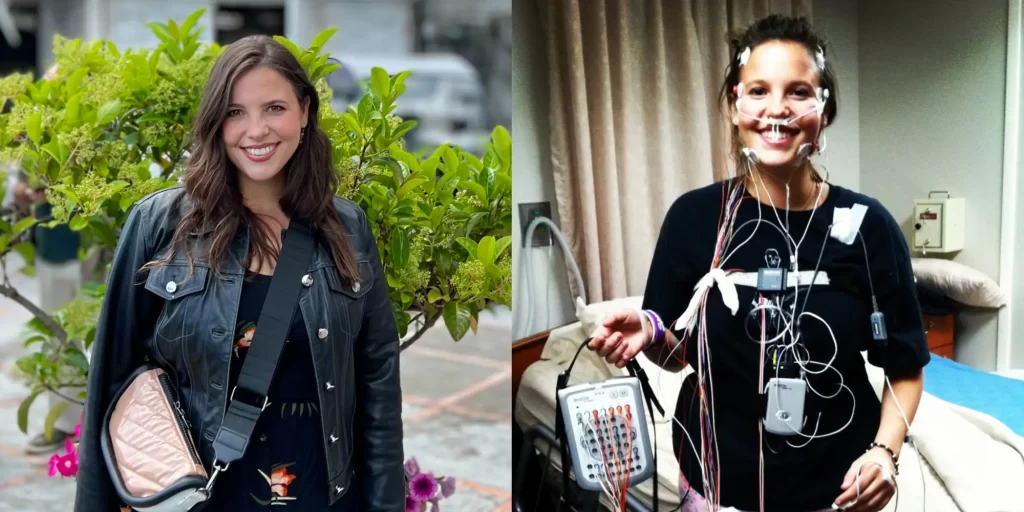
(729, 297)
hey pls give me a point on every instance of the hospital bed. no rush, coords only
(969, 426)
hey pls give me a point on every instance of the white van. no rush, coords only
(443, 92)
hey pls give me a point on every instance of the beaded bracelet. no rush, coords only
(895, 458)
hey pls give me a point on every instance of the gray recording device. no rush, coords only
(606, 429)
(784, 415)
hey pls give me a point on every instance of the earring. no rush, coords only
(302, 135)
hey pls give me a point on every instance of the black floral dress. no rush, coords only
(284, 467)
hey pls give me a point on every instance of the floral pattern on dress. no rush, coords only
(279, 480)
(245, 333)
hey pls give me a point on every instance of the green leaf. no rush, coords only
(486, 250)
(456, 319)
(72, 112)
(400, 248)
(70, 194)
(35, 127)
(108, 112)
(486, 180)
(36, 325)
(321, 39)
(191, 20)
(161, 31)
(352, 123)
(104, 231)
(476, 189)
(503, 243)
(23, 411)
(76, 359)
(409, 186)
(290, 45)
(472, 223)
(329, 68)
(403, 128)
(78, 223)
(34, 339)
(469, 244)
(22, 225)
(434, 295)
(502, 144)
(117, 186)
(52, 416)
(26, 250)
(57, 150)
(380, 83)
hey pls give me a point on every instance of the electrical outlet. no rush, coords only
(530, 211)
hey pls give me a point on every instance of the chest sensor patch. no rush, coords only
(846, 223)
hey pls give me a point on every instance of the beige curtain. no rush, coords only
(635, 120)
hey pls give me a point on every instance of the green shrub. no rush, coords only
(90, 137)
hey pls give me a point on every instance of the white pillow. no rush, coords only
(959, 282)
(592, 315)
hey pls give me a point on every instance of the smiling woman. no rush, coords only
(260, 172)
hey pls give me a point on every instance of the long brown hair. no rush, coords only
(776, 28)
(211, 180)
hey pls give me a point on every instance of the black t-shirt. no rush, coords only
(808, 477)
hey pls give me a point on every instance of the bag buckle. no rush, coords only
(232, 398)
(217, 470)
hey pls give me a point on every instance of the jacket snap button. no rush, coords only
(329, 386)
(356, 287)
(263, 437)
(307, 280)
(333, 439)
(322, 333)
(338, 489)
(171, 287)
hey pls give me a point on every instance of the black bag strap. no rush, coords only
(249, 396)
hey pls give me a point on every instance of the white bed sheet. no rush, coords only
(535, 403)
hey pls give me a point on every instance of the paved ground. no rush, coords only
(457, 414)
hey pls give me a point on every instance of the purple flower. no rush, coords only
(412, 468)
(447, 486)
(422, 487)
(411, 505)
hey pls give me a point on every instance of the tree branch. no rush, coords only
(65, 397)
(57, 330)
(419, 334)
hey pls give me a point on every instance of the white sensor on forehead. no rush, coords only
(744, 56)
(819, 58)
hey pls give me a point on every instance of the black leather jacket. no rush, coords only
(188, 331)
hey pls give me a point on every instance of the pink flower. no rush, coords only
(412, 468)
(54, 461)
(447, 486)
(67, 463)
(423, 487)
(411, 505)
(78, 430)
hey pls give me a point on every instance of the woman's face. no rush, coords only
(779, 81)
(263, 124)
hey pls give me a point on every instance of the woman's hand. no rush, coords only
(876, 482)
(621, 337)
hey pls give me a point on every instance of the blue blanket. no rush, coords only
(999, 397)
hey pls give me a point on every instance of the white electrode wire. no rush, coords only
(527, 328)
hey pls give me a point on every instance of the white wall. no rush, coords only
(932, 92)
(532, 179)
(841, 158)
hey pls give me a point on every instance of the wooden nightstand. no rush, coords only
(939, 330)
